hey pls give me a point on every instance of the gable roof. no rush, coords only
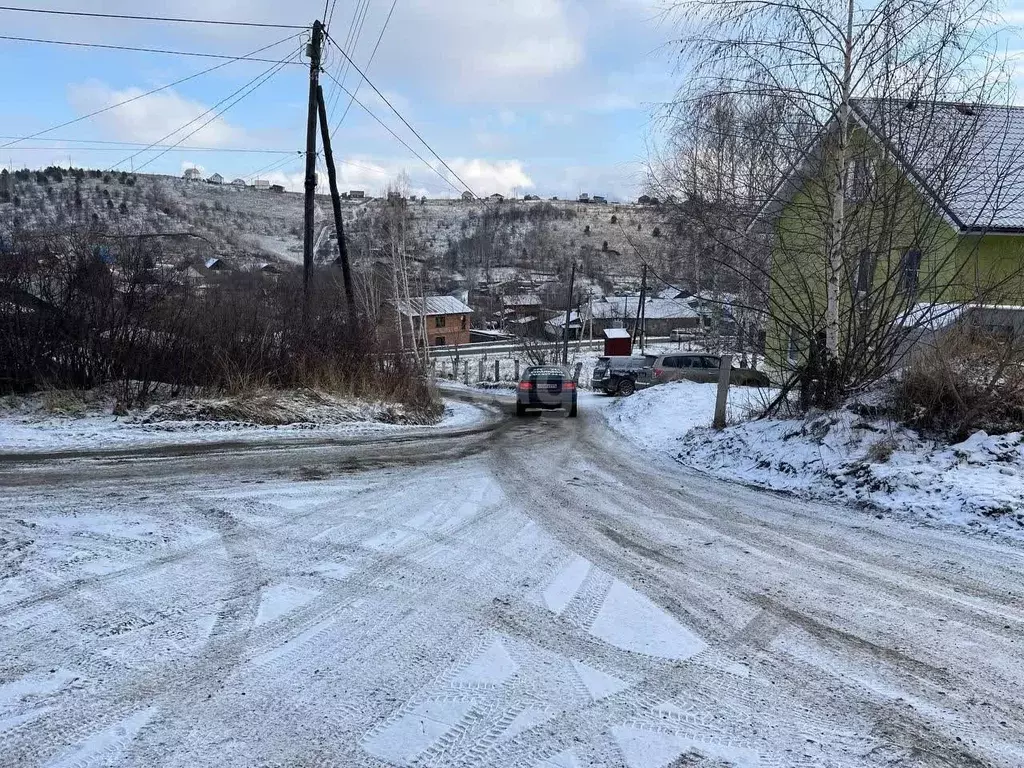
(425, 306)
(968, 159)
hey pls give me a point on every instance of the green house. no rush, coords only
(926, 201)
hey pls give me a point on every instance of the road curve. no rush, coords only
(528, 592)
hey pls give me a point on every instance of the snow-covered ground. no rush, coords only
(868, 462)
(537, 595)
(30, 424)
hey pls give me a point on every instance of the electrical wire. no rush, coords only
(395, 135)
(147, 93)
(258, 80)
(368, 63)
(129, 17)
(168, 147)
(106, 46)
(354, 30)
(384, 98)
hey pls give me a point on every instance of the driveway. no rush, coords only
(521, 593)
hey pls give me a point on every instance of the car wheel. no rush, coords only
(627, 387)
(520, 409)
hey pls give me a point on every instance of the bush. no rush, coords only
(140, 331)
(968, 380)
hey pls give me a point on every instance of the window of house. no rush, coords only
(439, 341)
(793, 347)
(462, 323)
(860, 176)
(439, 321)
(865, 273)
(910, 266)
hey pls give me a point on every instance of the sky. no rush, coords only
(547, 97)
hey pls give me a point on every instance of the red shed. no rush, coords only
(617, 342)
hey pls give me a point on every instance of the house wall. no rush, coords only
(953, 268)
(453, 330)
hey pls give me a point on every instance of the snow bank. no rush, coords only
(85, 422)
(659, 416)
(839, 456)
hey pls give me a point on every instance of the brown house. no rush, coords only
(441, 320)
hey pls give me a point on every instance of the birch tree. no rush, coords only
(771, 89)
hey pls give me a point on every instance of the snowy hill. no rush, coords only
(452, 243)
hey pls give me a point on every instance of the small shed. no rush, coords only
(617, 342)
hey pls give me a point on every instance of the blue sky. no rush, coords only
(552, 97)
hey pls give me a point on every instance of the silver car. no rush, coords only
(702, 369)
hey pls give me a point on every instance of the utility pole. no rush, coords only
(568, 315)
(325, 135)
(643, 309)
(315, 45)
(637, 331)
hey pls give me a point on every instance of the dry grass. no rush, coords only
(966, 382)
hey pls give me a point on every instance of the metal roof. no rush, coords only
(616, 333)
(969, 159)
(425, 306)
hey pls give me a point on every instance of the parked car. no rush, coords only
(546, 387)
(703, 369)
(621, 375)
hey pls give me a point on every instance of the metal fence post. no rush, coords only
(480, 369)
(497, 370)
(465, 373)
(517, 369)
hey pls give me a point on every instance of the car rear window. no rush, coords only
(548, 372)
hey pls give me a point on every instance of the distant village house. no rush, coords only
(215, 179)
(440, 320)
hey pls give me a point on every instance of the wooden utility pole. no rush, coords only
(315, 44)
(568, 315)
(325, 136)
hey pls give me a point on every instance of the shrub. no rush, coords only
(967, 380)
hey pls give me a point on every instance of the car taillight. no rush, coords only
(658, 371)
(525, 386)
(570, 385)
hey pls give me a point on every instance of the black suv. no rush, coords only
(546, 387)
(621, 375)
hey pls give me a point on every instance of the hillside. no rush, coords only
(450, 244)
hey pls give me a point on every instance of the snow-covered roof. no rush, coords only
(423, 306)
(654, 309)
(521, 300)
(616, 333)
(932, 317)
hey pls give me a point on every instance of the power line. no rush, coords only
(176, 20)
(269, 167)
(354, 30)
(397, 137)
(174, 147)
(106, 46)
(258, 80)
(383, 98)
(147, 93)
(368, 62)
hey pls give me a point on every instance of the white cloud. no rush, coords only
(487, 177)
(152, 118)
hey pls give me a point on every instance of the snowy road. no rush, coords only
(518, 593)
